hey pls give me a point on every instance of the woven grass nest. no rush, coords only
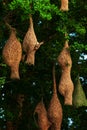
(43, 121)
(64, 5)
(64, 58)
(79, 97)
(12, 54)
(66, 86)
(55, 109)
(30, 44)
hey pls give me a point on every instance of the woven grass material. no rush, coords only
(30, 44)
(64, 58)
(64, 5)
(79, 97)
(66, 86)
(12, 54)
(43, 121)
(55, 109)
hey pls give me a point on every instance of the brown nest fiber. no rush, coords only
(30, 44)
(79, 97)
(12, 53)
(43, 121)
(64, 5)
(64, 58)
(66, 86)
(55, 109)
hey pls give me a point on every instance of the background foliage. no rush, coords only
(50, 25)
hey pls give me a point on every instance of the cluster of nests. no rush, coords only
(51, 118)
(12, 54)
(12, 51)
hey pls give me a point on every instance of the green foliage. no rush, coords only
(2, 81)
(11, 115)
(24, 4)
(45, 8)
(50, 25)
(78, 47)
(80, 29)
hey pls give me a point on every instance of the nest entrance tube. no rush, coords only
(55, 109)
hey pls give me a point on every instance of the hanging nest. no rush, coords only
(79, 98)
(12, 53)
(30, 44)
(43, 121)
(64, 5)
(64, 58)
(66, 86)
(55, 109)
